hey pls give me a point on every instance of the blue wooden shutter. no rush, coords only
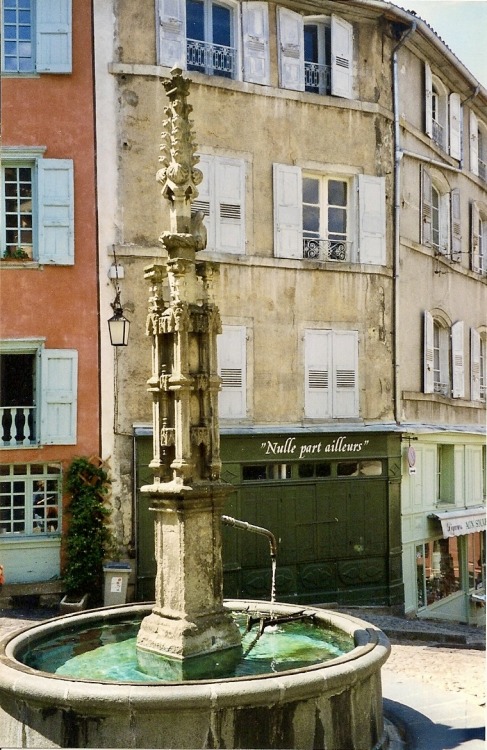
(56, 211)
(345, 374)
(255, 33)
(53, 36)
(317, 366)
(232, 368)
(171, 35)
(341, 57)
(372, 219)
(59, 381)
(288, 211)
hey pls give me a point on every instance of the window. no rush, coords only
(331, 374)
(437, 570)
(36, 36)
(37, 395)
(444, 368)
(315, 53)
(478, 238)
(478, 147)
(440, 215)
(478, 365)
(445, 486)
(204, 36)
(37, 207)
(315, 216)
(443, 115)
(30, 499)
(232, 368)
(260, 472)
(476, 561)
(221, 198)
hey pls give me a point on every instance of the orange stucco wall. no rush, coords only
(59, 304)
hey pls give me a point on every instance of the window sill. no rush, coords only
(439, 399)
(18, 263)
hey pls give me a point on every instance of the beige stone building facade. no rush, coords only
(344, 196)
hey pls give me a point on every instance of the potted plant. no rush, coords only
(89, 541)
(17, 253)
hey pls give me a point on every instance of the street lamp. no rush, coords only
(118, 325)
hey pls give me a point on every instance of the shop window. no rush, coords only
(437, 571)
(36, 36)
(307, 470)
(30, 499)
(371, 468)
(476, 561)
(316, 216)
(259, 472)
(37, 209)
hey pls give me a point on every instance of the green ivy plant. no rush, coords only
(89, 541)
(18, 253)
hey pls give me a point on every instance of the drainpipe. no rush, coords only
(397, 213)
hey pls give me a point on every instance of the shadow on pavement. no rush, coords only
(420, 733)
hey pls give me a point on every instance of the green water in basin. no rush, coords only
(107, 652)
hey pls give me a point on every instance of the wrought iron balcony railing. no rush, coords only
(17, 426)
(213, 59)
(483, 170)
(438, 134)
(321, 249)
(443, 388)
(317, 78)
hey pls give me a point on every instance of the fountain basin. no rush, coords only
(334, 704)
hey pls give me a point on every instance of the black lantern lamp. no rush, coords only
(118, 325)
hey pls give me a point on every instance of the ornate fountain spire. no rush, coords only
(188, 620)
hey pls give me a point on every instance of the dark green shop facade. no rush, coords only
(331, 500)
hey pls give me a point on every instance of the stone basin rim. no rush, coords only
(371, 650)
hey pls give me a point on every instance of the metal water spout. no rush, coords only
(229, 521)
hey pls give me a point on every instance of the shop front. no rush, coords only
(332, 500)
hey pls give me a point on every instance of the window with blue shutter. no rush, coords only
(56, 211)
(37, 36)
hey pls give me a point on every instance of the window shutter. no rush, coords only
(59, 379)
(474, 143)
(341, 57)
(475, 238)
(317, 363)
(426, 206)
(345, 375)
(474, 365)
(53, 36)
(232, 359)
(428, 100)
(229, 205)
(455, 126)
(372, 219)
(288, 211)
(429, 355)
(456, 226)
(255, 31)
(171, 39)
(290, 49)
(458, 365)
(56, 211)
(205, 200)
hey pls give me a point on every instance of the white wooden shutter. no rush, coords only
(318, 378)
(232, 359)
(171, 37)
(458, 360)
(455, 126)
(474, 143)
(229, 205)
(456, 226)
(205, 201)
(474, 365)
(341, 57)
(53, 36)
(290, 49)
(429, 353)
(345, 374)
(426, 206)
(475, 238)
(288, 211)
(255, 33)
(372, 219)
(428, 100)
(56, 211)
(59, 380)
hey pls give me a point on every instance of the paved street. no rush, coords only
(433, 681)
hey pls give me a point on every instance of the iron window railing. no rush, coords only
(213, 59)
(323, 249)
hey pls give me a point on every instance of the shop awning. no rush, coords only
(459, 522)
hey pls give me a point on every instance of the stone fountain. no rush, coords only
(190, 634)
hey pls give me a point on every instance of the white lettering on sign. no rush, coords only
(288, 447)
